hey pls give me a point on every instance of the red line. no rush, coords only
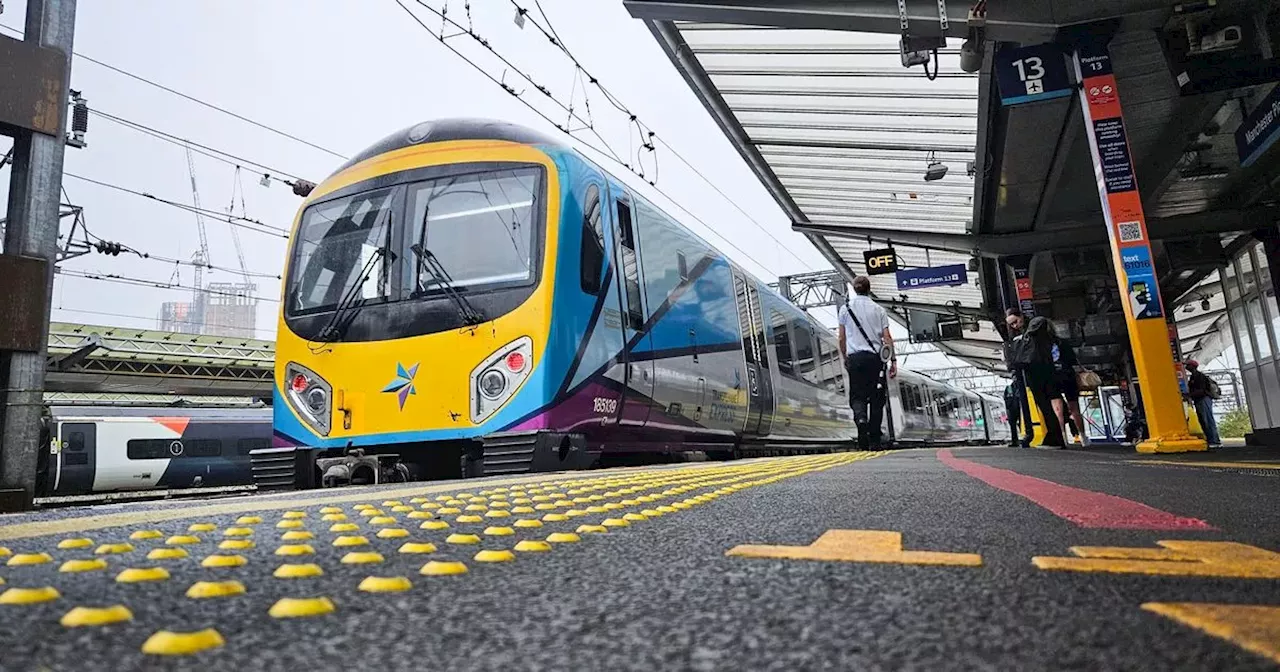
(1082, 507)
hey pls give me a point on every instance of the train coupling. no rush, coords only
(354, 467)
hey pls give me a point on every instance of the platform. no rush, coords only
(962, 558)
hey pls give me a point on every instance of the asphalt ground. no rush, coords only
(661, 593)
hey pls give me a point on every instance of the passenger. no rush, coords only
(1012, 412)
(1065, 367)
(1202, 389)
(865, 347)
(1015, 321)
(1040, 379)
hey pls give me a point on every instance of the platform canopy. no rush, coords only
(813, 96)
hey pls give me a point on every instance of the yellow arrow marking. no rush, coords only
(858, 546)
(1212, 465)
(1254, 628)
(1225, 559)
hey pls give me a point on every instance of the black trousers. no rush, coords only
(866, 396)
(1044, 390)
(1024, 407)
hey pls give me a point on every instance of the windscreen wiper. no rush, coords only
(428, 262)
(347, 309)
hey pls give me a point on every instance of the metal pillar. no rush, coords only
(32, 232)
(1131, 252)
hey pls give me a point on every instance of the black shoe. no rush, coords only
(1015, 444)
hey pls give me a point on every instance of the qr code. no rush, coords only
(1130, 232)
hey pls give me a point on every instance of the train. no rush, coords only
(94, 450)
(471, 297)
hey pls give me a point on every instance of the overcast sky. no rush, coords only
(342, 75)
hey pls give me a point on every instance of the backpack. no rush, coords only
(1215, 392)
(1022, 351)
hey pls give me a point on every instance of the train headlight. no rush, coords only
(309, 395)
(492, 383)
(499, 376)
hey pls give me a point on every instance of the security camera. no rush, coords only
(936, 171)
(1225, 39)
(1204, 303)
(971, 55)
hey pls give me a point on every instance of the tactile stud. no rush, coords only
(392, 533)
(385, 584)
(462, 539)
(434, 525)
(497, 531)
(113, 549)
(89, 616)
(223, 561)
(344, 527)
(350, 541)
(297, 571)
(531, 546)
(635, 517)
(206, 589)
(143, 535)
(68, 544)
(166, 643)
(497, 513)
(417, 547)
(563, 537)
(330, 509)
(22, 559)
(201, 527)
(495, 556)
(401, 509)
(615, 522)
(437, 568)
(93, 565)
(382, 520)
(29, 595)
(141, 574)
(236, 545)
(592, 529)
(248, 520)
(469, 519)
(361, 558)
(297, 535)
(238, 532)
(333, 517)
(288, 607)
(295, 549)
(289, 524)
(528, 523)
(167, 554)
(293, 515)
(182, 540)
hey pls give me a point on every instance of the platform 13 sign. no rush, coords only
(1031, 74)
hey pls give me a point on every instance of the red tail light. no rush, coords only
(299, 383)
(515, 362)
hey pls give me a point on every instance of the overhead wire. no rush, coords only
(443, 39)
(194, 99)
(156, 284)
(247, 223)
(550, 33)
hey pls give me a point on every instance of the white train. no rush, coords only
(923, 410)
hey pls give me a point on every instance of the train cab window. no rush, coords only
(630, 266)
(245, 446)
(592, 258)
(782, 344)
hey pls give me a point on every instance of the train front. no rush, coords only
(417, 296)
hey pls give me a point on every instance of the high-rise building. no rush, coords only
(230, 309)
(178, 317)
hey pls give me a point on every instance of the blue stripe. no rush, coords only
(1048, 95)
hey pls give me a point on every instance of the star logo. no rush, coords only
(402, 385)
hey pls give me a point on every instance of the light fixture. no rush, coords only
(1204, 303)
(1202, 172)
(936, 170)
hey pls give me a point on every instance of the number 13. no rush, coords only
(1031, 67)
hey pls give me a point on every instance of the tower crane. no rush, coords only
(200, 259)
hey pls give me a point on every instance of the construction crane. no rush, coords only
(238, 187)
(200, 259)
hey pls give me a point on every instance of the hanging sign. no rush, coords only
(1113, 165)
(941, 276)
(880, 262)
(1031, 74)
(1259, 130)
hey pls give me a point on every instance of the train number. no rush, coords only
(604, 405)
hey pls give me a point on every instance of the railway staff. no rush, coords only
(866, 346)
(1015, 321)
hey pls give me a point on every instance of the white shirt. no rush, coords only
(873, 320)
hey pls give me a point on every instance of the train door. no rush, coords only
(637, 371)
(76, 458)
(759, 382)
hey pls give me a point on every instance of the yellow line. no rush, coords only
(1250, 627)
(278, 502)
(857, 546)
(1212, 465)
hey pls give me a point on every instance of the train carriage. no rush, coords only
(473, 293)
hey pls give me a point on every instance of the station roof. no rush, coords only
(815, 99)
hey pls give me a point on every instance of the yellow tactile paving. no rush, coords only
(1224, 559)
(857, 546)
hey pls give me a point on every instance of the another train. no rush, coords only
(114, 449)
(473, 297)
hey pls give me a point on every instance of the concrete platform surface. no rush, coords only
(965, 558)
